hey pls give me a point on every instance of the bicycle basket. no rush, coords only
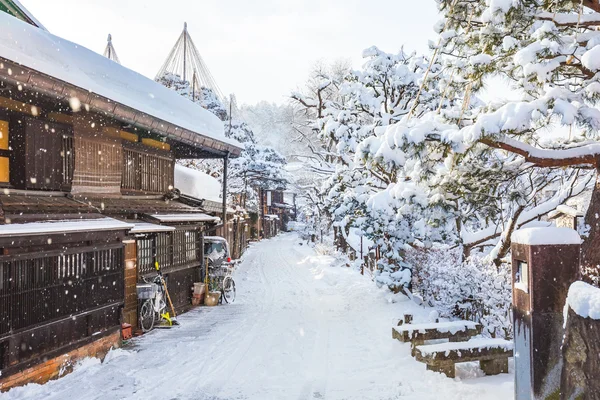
(146, 290)
(218, 271)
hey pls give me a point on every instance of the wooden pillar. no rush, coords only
(545, 261)
(225, 164)
(130, 308)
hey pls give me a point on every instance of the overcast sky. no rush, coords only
(257, 49)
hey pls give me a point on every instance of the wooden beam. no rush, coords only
(19, 106)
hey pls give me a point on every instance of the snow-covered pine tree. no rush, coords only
(477, 169)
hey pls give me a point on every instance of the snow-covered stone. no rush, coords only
(471, 344)
(451, 327)
(584, 299)
(546, 236)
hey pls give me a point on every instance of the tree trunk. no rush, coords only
(590, 249)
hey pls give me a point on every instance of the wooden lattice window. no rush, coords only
(147, 170)
(41, 287)
(181, 248)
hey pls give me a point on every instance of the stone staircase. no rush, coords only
(461, 346)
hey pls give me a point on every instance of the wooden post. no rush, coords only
(225, 163)
(545, 261)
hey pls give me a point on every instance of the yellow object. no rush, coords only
(130, 137)
(167, 317)
(19, 106)
(4, 161)
(156, 144)
(4, 135)
(4, 170)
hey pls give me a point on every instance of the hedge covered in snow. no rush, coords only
(474, 290)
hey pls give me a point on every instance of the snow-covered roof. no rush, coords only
(283, 205)
(197, 184)
(546, 236)
(146, 227)
(65, 226)
(584, 299)
(195, 217)
(565, 210)
(215, 238)
(271, 216)
(67, 61)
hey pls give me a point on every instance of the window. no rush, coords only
(522, 276)
(146, 170)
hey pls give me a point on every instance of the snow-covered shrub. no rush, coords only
(474, 290)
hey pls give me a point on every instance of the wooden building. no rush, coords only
(275, 212)
(87, 156)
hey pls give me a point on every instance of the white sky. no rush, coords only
(257, 49)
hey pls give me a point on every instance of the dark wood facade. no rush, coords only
(59, 292)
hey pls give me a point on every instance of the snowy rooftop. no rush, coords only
(196, 217)
(546, 236)
(42, 51)
(197, 184)
(53, 227)
(146, 227)
(584, 299)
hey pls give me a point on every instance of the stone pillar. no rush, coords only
(545, 261)
(581, 345)
(130, 308)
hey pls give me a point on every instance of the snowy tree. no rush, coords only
(476, 170)
(257, 167)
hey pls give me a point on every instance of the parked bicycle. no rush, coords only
(153, 311)
(220, 279)
(220, 268)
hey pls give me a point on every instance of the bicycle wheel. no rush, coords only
(229, 289)
(147, 315)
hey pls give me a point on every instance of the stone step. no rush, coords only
(492, 355)
(419, 333)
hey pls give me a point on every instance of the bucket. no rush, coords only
(212, 299)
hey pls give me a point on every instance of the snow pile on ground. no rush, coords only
(584, 299)
(197, 184)
(299, 329)
(546, 236)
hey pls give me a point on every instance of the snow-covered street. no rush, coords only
(300, 329)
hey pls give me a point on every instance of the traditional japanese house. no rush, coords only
(87, 157)
(275, 212)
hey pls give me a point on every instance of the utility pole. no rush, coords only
(230, 113)
(194, 87)
(225, 163)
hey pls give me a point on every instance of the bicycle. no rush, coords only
(154, 306)
(220, 278)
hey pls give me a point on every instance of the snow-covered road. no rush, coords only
(300, 329)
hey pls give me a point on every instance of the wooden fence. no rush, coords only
(53, 299)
